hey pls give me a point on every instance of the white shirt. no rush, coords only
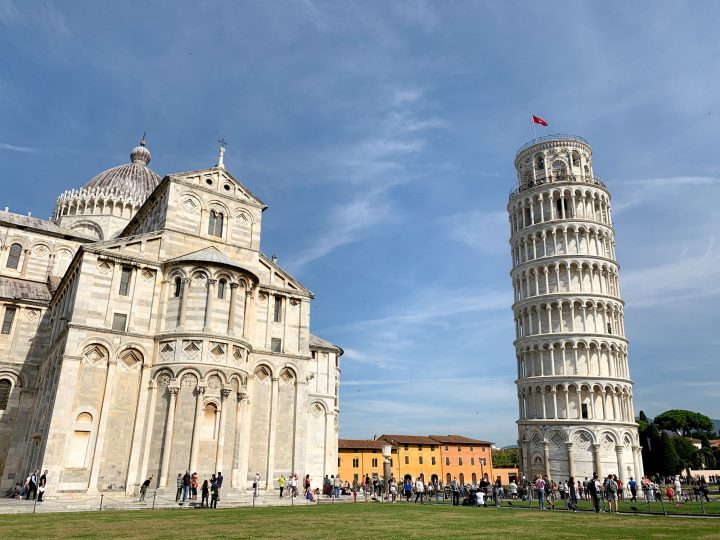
(480, 497)
(419, 486)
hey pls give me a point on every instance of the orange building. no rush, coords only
(468, 460)
(357, 458)
(437, 458)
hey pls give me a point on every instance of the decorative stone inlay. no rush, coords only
(557, 439)
(189, 380)
(583, 440)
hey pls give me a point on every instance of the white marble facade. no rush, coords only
(145, 333)
(576, 412)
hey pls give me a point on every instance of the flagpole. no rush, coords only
(532, 121)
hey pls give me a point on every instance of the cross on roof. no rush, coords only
(222, 142)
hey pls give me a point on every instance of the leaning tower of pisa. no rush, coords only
(574, 389)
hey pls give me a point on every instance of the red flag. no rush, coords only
(538, 120)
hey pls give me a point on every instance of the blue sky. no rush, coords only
(382, 137)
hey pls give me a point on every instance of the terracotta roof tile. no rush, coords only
(459, 439)
(352, 444)
(408, 439)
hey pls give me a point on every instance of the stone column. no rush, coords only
(571, 464)
(554, 400)
(231, 314)
(618, 454)
(270, 472)
(596, 460)
(102, 427)
(207, 323)
(167, 447)
(184, 292)
(195, 441)
(137, 434)
(246, 314)
(244, 458)
(546, 457)
(235, 479)
(26, 258)
(637, 461)
(225, 392)
(153, 390)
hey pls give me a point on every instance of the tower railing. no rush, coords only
(592, 180)
(555, 137)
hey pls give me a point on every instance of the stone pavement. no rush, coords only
(157, 500)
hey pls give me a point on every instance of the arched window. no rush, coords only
(177, 291)
(576, 159)
(215, 223)
(221, 289)
(5, 387)
(447, 461)
(8, 319)
(14, 256)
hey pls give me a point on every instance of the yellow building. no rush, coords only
(358, 458)
(417, 456)
(436, 458)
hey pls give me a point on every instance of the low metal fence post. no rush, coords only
(153, 504)
(34, 505)
(101, 501)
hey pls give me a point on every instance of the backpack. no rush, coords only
(612, 486)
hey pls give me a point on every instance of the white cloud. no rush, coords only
(694, 276)
(485, 231)
(15, 148)
(347, 223)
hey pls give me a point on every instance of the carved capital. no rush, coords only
(185, 280)
(199, 390)
(212, 281)
(234, 285)
(241, 396)
(225, 392)
(173, 389)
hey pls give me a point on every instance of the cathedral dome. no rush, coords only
(134, 180)
(104, 205)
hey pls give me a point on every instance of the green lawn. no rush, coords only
(370, 521)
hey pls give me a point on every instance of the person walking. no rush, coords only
(219, 482)
(306, 484)
(540, 490)
(186, 480)
(144, 487)
(594, 492)
(213, 492)
(455, 488)
(419, 489)
(256, 485)
(407, 488)
(179, 482)
(194, 481)
(337, 483)
(572, 495)
(293, 485)
(632, 484)
(611, 490)
(32, 486)
(42, 483)
(281, 484)
(205, 493)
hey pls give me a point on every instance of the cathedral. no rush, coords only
(145, 333)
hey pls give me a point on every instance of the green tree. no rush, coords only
(505, 458)
(685, 450)
(669, 462)
(683, 422)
